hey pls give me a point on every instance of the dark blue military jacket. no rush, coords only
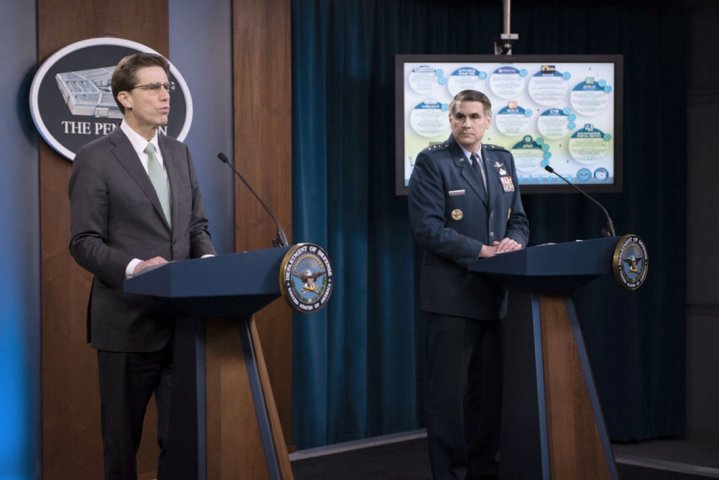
(452, 217)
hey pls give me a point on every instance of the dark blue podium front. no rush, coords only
(237, 284)
(552, 422)
(224, 421)
(551, 268)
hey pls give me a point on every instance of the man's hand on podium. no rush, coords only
(151, 263)
(506, 245)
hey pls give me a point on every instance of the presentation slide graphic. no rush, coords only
(545, 113)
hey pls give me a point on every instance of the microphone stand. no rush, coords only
(608, 230)
(280, 239)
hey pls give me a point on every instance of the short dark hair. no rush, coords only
(125, 75)
(471, 96)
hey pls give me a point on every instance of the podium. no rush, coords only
(552, 423)
(223, 418)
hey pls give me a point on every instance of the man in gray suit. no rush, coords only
(135, 203)
(464, 204)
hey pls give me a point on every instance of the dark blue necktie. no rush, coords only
(477, 164)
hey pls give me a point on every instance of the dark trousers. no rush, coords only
(127, 381)
(464, 397)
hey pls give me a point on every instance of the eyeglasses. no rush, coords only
(154, 87)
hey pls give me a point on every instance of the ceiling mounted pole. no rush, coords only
(503, 45)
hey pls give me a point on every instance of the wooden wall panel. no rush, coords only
(263, 154)
(71, 443)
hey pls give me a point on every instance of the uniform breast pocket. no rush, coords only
(456, 207)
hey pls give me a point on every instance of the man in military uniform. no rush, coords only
(464, 204)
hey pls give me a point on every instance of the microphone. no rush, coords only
(608, 231)
(281, 239)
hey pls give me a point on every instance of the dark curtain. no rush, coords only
(358, 365)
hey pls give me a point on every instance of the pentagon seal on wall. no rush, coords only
(71, 99)
(306, 277)
(630, 262)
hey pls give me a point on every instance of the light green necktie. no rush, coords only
(159, 181)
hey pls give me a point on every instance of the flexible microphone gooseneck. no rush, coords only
(281, 239)
(608, 231)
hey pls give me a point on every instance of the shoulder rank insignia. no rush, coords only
(495, 147)
(437, 146)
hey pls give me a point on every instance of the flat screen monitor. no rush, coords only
(564, 111)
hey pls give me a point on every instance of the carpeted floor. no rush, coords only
(408, 460)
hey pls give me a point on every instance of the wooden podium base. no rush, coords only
(553, 426)
(223, 419)
(244, 435)
(223, 424)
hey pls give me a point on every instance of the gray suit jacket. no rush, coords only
(452, 216)
(116, 216)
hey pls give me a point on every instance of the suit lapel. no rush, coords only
(127, 157)
(493, 181)
(170, 158)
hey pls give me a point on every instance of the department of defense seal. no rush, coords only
(306, 277)
(630, 262)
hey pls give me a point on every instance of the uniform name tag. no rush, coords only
(456, 193)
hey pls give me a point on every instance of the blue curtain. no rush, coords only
(354, 363)
(358, 365)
